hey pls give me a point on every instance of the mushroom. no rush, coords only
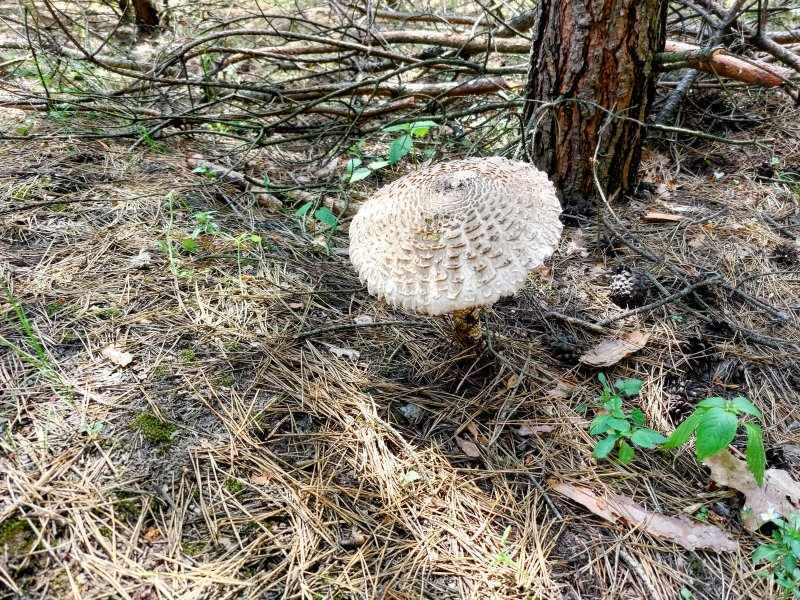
(455, 236)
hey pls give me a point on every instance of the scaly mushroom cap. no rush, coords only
(455, 235)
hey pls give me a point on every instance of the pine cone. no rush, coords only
(786, 255)
(627, 288)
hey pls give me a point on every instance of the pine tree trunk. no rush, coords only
(587, 54)
(144, 12)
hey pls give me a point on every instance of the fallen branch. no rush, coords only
(725, 65)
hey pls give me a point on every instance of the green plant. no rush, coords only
(715, 422)
(621, 427)
(782, 555)
(402, 145)
(503, 556)
(205, 224)
(154, 429)
(323, 214)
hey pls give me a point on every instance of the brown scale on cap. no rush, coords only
(456, 235)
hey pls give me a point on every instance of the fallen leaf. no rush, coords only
(780, 494)
(117, 356)
(295, 306)
(151, 534)
(472, 428)
(512, 382)
(261, 479)
(544, 272)
(469, 448)
(345, 352)
(619, 509)
(562, 391)
(659, 217)
(610, 352)
(363, 320)
(524, 429)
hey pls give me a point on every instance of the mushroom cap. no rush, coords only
(455, 235)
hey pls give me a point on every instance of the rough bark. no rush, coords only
(144, 12)
(587, 56)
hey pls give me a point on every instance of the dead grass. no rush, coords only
(284, 470)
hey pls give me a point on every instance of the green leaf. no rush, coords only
(378, 164)
(256, 239)
(613, 403)
(625, 453)
(303, 210)
(599, 424)
(637, 416)
(602, 378)
(632, 387)
(190, 245)
(715, 402)
(744, 405)
(605, 446)
(620, 425)
(684, 431)
(715, 431)
(324, 215)
(755, 455)
(360, 174)
(647, 438)
(399, 127)
(399, 148)
(767, 552)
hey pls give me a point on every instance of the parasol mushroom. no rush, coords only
(455, 236)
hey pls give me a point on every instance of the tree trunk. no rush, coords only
(144, 12)
(586, 56)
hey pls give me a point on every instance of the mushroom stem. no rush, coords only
(467, 327)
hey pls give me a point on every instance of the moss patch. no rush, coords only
(16, 535)
(154, 429)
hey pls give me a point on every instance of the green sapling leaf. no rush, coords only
(631, 387)
(324, 215)
(599, 424)
(744, 405)
(684, 431)
(755, 455)
(715, 431)
(715, 402)
(399, 148)
(605, 446)
(625, 452)
(647, 438)
(637, 416)
(359, 174)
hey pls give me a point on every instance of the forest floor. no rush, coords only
(189, 411)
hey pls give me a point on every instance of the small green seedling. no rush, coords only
(503, 556)
(782, 555)
(619, 426)
(323, 214)
(356, 171)
(407, 477)
(205, 224)
(715, 422)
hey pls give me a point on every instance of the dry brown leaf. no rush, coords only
(295, 305)
(621, 509)
(659, 217)
(117, 356)
(524, 429)
(610, 352)
(562, 391)
(472, 428)
(780, 494)
(261, 479)
(544, 272)
(151, 534)
(512, 382)
(468, 447)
